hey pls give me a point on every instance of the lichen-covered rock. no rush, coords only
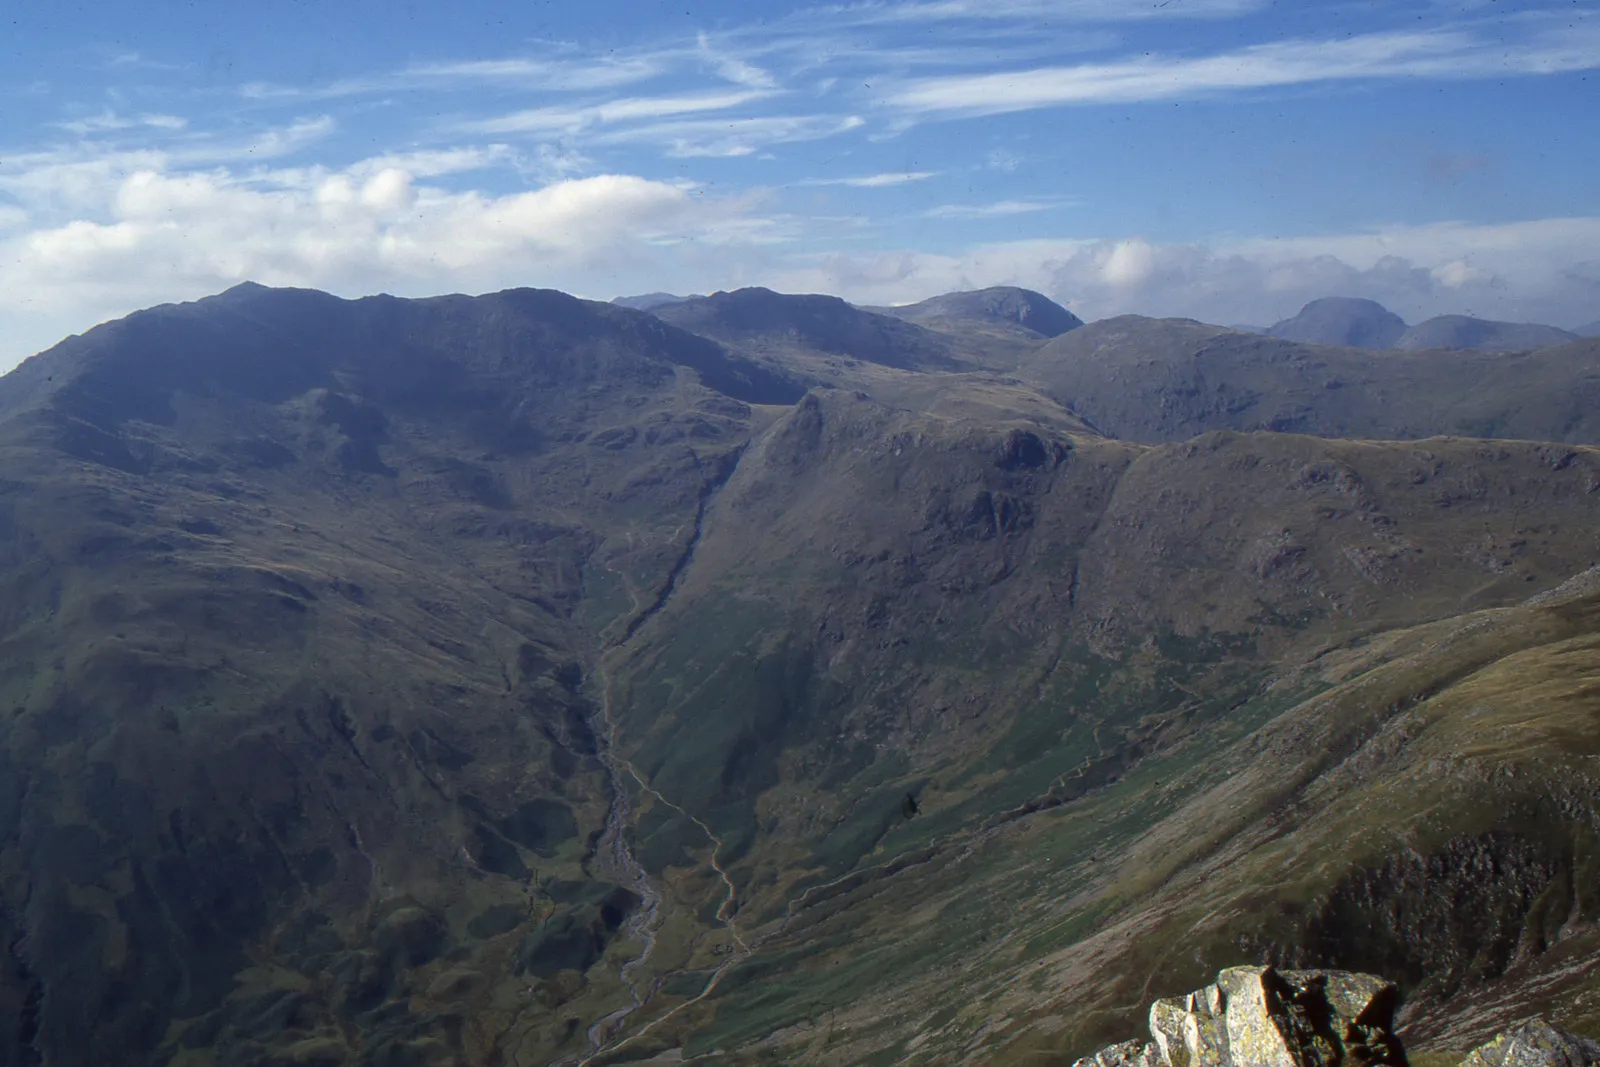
(1261, 1017)
(1536, 1043)
(1125, 1054)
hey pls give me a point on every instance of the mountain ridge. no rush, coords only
(469, 680)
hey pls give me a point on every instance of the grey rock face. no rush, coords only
(1536, 1043)
(1262, 1017)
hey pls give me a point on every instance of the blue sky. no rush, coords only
(1223, 159)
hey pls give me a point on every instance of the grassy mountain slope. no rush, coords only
(1029, 635)
(525, 680)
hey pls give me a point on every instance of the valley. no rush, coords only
(755, 678)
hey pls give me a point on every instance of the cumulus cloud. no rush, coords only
(166, 235)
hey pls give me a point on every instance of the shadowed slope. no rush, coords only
(297, 596)
(1168, 379)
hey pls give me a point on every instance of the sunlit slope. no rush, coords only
(1427, 811)
(1056, 645)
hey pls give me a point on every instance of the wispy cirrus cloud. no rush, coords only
(627, 109)
(732, 138)
(731, 67)
(562, 73)
(995, 210)
(1089, 11)
(876, 181)
(1453, 53)
(109, 121)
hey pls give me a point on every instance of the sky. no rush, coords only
(1226, 160)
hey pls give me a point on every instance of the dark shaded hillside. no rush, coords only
(1169, 379)
(298, 601)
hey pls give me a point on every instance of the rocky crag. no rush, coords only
(1263, 1017)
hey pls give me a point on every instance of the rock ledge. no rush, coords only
(1263, 1017)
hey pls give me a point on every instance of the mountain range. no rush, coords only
(1368, 324)
(520, 679)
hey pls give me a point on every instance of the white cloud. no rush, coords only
(434, 163)
(273, 143)
(554, 74)
(1536, 271)
(177, 235)
(732, 68)
(379, 225)
(876, 181)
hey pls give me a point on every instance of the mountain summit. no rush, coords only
(1342, 320)
(1000, 305)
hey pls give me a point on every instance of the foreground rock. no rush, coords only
(1262, 1017)
(1536, 1043)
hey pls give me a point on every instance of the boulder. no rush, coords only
(1536, 1043)
(1262, 1017)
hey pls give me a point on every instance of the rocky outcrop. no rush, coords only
(1535, 1043)
(1262, 1017)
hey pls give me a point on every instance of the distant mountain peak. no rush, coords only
(997, 305)
(1342, 320)
(650, 301)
